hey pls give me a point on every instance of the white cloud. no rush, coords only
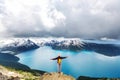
(66, 18)
(26, 11)
(2, 28)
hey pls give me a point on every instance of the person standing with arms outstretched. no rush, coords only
(59, 61)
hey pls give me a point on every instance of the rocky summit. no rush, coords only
(56, 76)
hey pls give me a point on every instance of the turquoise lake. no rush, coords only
(83, 63)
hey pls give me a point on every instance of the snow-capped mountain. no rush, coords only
(59, 43)
(109, 48)
(16, 45)
(24, 44)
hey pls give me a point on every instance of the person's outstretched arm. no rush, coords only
(54, 58)
(63, 57)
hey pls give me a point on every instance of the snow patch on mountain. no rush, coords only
(58, 41)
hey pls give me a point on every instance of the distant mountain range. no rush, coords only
(106, 47)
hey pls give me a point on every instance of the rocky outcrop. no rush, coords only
(7, 73)
(56, 76)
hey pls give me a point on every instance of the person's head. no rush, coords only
(59, 54)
